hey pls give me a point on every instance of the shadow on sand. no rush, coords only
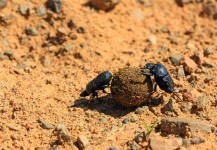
(108, 106)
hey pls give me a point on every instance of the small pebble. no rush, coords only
(208, 51)
(175, 59)
(197, 140)
(45, 124)
(208, 79)
(31, 31)
(54, 5)
(140, 110)
(126, 121)
(133, 119)
(81, 29)
(152, 39)
(41, 10)
(181, 72)
(3, 4)
(83, 142)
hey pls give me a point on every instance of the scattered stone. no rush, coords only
(169, 106)
(184, 127)
(114, 128)
(25, 9)
(81, 29)
(9, 53)
(41, 10)
(133, 119)
(135, 146)
(141, 110)
(197, 140)
(138, 15)
(202, 102)
(45, 60)
(208, 51)
(61, 31)
(175, 59)
(32, 31)
(208, 78)
(112, 148)
(186, 107)
(83, 142)
(181, 72)
(210, 10)
(69, 47)
(54, 5)
(44, 124)
(13, 127)
(152, 39)
(5, 42)
(141, 137)
(3, 4)
(189, 65)
(165, 144)
(186, 143)
(104, 5)
(62, 133)
(103, 120)
(198, 57)
(126, 121)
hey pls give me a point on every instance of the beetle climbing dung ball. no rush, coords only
(130, 87)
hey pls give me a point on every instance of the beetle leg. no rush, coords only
(176, 95)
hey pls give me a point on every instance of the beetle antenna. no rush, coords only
(176, 95)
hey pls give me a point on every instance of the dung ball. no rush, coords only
(130, 87)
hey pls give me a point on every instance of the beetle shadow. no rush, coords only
(104, 104)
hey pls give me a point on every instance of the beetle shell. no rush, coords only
(99, 83)
(130, 87)
(162, 77)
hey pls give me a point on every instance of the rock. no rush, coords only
(152, 39)
(146, 2)
(186, 107)
(9, 53)
(135, 146)
(130, 87)
(209, 78)
(202, 102)
(32, 31)
(83, 142)
(133, 119)
(25, 9)
(189, 65)
(45, 60)
(208, 51)
(13, 127)
(81, 29)
(112, 148)
(41, 10)
(141, 137)
(61, 31)
(69, 47)
(184, 127)
(5, 42)
(140, 110)
(165, 144)
(138, 15)
(104, 5)
(62, 133)
(126, 121)
(44, 124)
(175, 59)
(3, 4)
(181, 72)
(198, 57)
(169, 106)
(54, 5)
(197, 140)
(210, 10)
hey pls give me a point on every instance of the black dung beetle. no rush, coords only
(98, 83)
(162, 77)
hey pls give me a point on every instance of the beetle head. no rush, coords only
(150, 66)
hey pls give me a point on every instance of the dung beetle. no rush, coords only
(98, 83)
(162, 77)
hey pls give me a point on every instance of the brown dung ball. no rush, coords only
(104, 4)
(130, 87)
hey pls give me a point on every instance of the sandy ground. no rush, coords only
(38, 79)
